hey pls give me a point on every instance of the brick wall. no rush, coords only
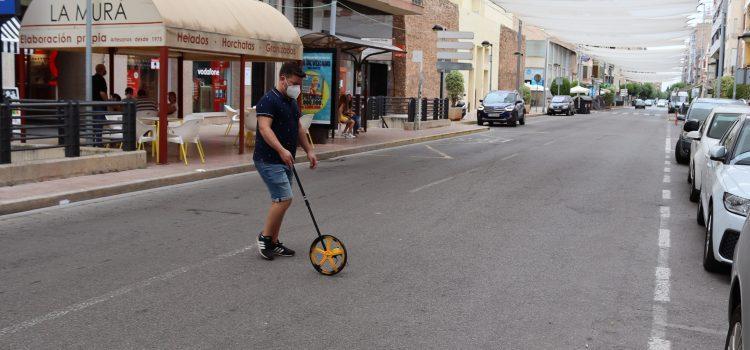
(507, 60)
(420, 36)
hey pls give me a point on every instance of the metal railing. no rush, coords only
(380, 106)
(65, 124)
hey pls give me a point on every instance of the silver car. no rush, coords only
(740, 289)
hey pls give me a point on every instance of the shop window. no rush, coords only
(303, 15)
(141, 76)
(43, 74)
(211, 81)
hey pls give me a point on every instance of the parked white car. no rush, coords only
(725, 195)
(661, 103)
(708, 135)
(739, 290)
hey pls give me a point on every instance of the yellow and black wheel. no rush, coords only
(328, 255)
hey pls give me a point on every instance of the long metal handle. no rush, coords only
(307, 203)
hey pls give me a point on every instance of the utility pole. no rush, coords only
(89, 32)
(520, 54)
(722, 51)
(544, 84)
(332, 26)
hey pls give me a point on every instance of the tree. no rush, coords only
(648, 91)
(564, 88)
(454, 83)
(526, 92)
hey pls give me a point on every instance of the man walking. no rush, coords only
(279, 134)
(99, 94)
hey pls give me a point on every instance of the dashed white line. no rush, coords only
(661, 290)
(119, 292)
(432, 184)
(549, 143)
(510, 156)
(666, 194)
(667, 179)
(439, 152)
(667, 170)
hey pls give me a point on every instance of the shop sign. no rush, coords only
(318, 87)
(155, 64)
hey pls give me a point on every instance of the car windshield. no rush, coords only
(558, 99)
(700, 111)
(720, 124)
(500, 97)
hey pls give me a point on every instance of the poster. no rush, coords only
(535, 76)
(317, 86)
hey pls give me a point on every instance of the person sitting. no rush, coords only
(356, 117)
(172, 106)
(129, 95)
(144, 103)
(345, 117)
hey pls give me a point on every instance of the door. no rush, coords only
(378, 77)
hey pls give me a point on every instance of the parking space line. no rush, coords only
(510, 156)
(432, 184)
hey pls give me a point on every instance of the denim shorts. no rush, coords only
(278, 179)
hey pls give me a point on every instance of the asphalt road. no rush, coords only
(545, 236)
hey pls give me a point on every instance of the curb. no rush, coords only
(40, 202)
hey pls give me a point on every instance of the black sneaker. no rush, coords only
(281, 250)
(265, 246)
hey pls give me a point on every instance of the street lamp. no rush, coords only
(487, 44)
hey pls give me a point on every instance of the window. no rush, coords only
(303, 16)
(535, 48)
(585, 72)
(720, 124)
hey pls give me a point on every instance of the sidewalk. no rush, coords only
(221, 160)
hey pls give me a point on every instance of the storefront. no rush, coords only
(185, 46)
(211, 86)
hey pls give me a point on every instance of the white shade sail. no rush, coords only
(644, 38)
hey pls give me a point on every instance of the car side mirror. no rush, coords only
(694, 135)
(691, 125)
(718, 153)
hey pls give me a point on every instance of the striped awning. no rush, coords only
(9, 31)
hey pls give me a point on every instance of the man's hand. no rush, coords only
(313, 160)
(287, 158)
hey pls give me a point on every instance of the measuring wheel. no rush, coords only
(328, 255)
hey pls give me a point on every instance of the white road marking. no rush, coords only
(664, 241)
(549, 143)
(695, 329)
(431, 184)
(665, 212)
(661, 290)
(510, 156)
(667, 170)
(119, 292)
(667, 179)
(666, 194)
(438, 152)
(666, 162)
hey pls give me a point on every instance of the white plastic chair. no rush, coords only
(305, 121)
(184, 134)
(234, 117)
(141, 132)
(192, 117)
(251, 123)
(118, 127)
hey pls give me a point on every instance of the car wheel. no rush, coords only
(679, 157)
(709, 259)
(699, 216)
(734, 336)
(695, 195)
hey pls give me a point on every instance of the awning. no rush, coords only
(345, 43)
(196, 28)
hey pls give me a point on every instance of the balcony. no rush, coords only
(394, 7)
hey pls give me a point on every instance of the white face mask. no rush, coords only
(293, 91)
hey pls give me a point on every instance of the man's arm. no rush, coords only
(104, 95)
(264, 127)
(307, 146)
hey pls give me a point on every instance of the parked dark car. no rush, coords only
(561, 105)
(503, 107)
(640, 104)
(698, 112)
(583, 104)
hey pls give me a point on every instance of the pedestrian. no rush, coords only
(356, 117)
(172, 104)
(144, 103)
(345, 117)
(279, 134)
(99, 94)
